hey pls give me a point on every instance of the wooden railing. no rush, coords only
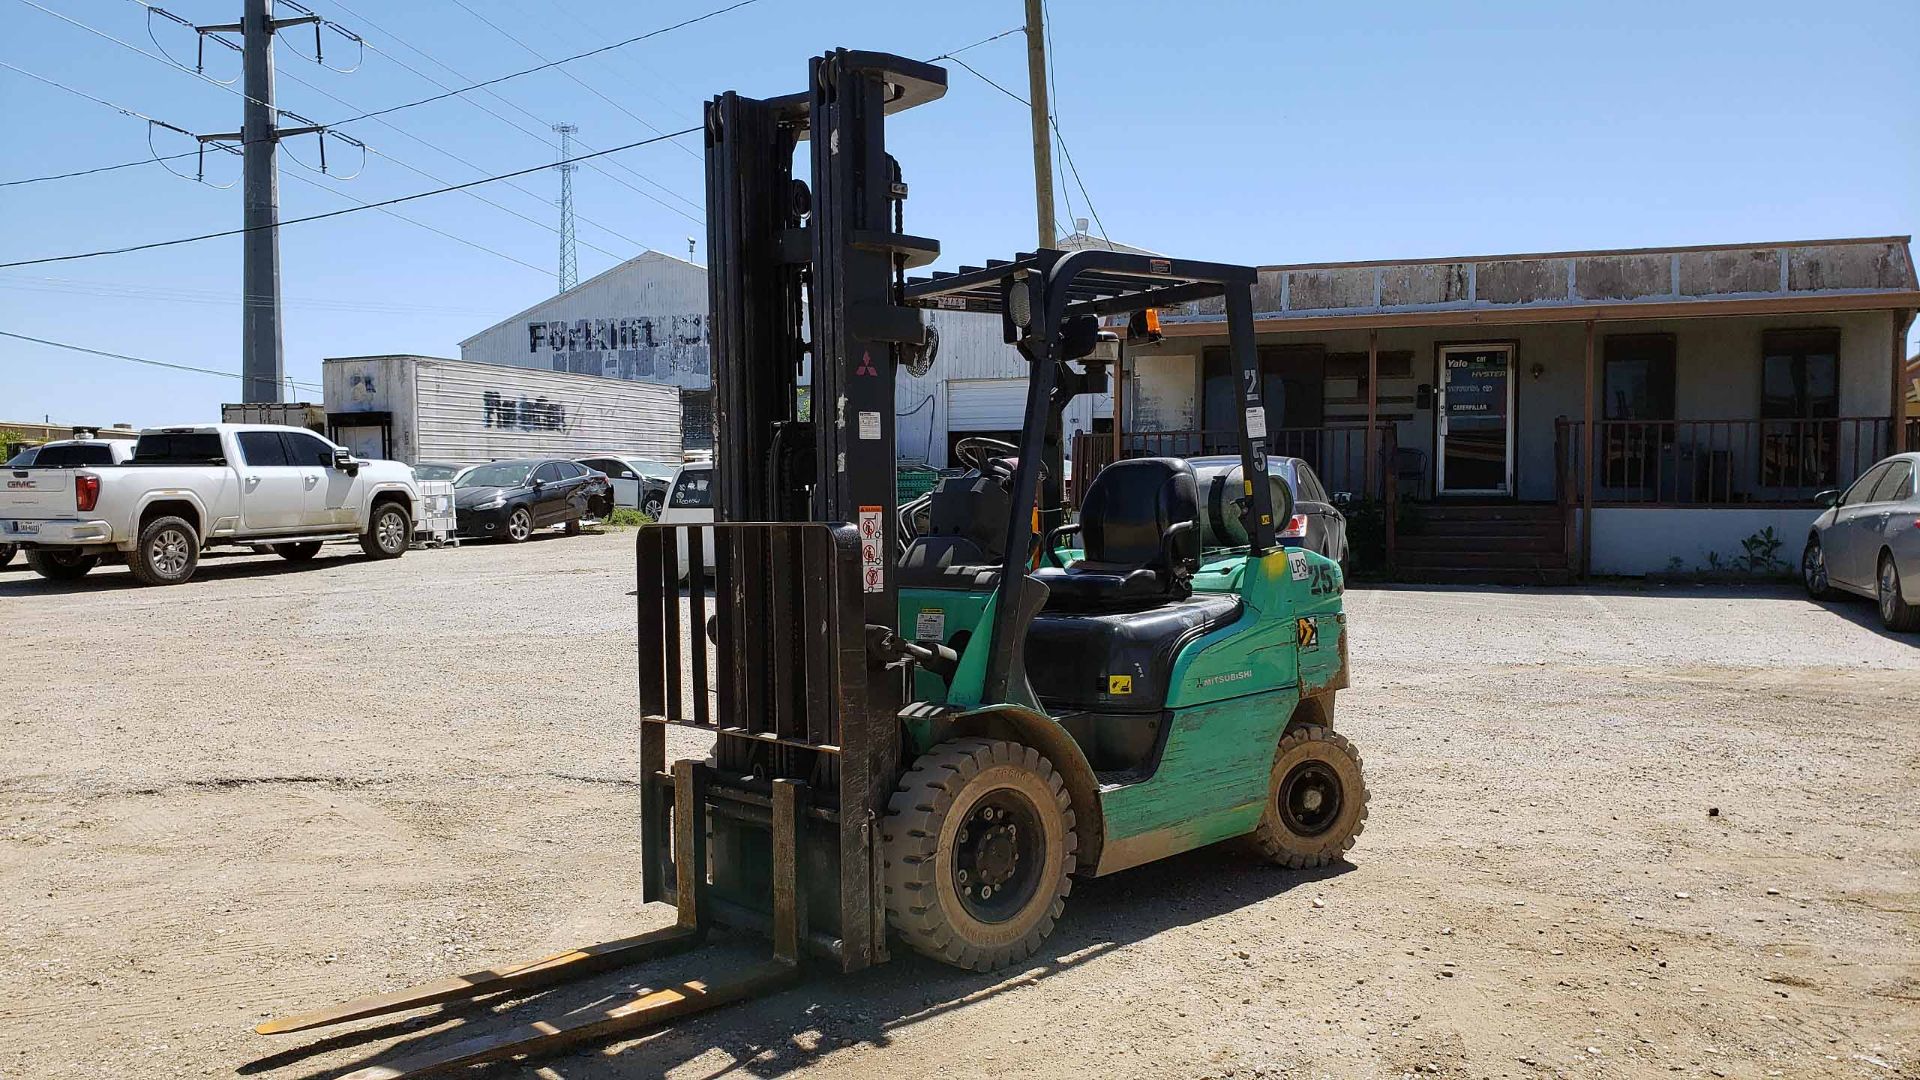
(1337, 453)
(1717, 462)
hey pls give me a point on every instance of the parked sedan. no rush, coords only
(510, 499)
(1317, 523)
(1868, 542)
(638, 484)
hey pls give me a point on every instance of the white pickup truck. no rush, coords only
(189, 488)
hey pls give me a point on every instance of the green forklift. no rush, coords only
(927, 744)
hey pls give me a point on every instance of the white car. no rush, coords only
(638, 484)
(185, 489)
(690, 502)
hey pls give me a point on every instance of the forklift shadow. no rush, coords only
(775, 1035)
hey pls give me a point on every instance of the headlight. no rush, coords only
(494, 503)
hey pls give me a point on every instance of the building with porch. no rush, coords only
(1558, 414)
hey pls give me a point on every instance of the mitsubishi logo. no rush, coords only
(866, 365)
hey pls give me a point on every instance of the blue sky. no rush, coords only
(1256, 132)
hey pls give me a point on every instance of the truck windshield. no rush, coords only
(53, 457)
(179, 447)
(506, 474)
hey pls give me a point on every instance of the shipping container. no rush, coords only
(422, 408)
(300, 414)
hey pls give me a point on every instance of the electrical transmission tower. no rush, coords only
(569, 263)
(263, 361)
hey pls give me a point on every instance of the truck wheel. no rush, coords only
(6, 554)
(1316, 799)
(303, 551)
(168, 552)
(979, 841)
(61, 565)
(388, 532)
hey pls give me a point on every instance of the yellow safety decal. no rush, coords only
(1266, 519)
(1119, 684)
(1309, 632)
(1249, 484)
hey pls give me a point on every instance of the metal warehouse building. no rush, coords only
(645, 320)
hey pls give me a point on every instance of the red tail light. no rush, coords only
(86, 492)
(1296, 527)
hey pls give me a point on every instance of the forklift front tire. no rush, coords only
(1316, 799)
(979, 842)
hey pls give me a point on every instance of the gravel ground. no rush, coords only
(1614, 833)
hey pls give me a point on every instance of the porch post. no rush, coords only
(1586, 464)
(1119, 396)
(1373, 403)
(1897, 408)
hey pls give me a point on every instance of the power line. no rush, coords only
(1060, 137)
(516, 106)
(126, 290)
(983, 41)
(232, 149)
(349, 210)
(144, 360)
(552, 64)
(1068, 154)
(595, 166)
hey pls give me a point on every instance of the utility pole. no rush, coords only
(262, 350)
(569, 263)
(1042, 139)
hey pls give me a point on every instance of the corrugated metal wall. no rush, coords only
(644, 320)
(445, 410)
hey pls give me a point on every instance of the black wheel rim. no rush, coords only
(1310, 798)
(998, 855)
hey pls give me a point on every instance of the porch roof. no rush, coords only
(1848, 274)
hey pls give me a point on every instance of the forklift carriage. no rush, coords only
(866, 776)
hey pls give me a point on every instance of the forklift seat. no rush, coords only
(1137, 525)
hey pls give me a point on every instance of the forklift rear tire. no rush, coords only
(1316, 799)
(979, 842)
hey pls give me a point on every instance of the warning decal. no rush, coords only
(930, 625)
(873, 564)
(1119, 684)
(1309, 631)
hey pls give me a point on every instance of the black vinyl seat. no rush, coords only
(1137, 527)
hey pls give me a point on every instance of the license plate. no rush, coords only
(29, 528)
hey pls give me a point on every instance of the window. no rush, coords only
(569, 470)
(1639, 377)
(179, 447)
(1800, 392)
(53, 457)
(1897, 484)
(1292, 389)
(1310, 487)
(1863, 488)
(694, 491)
(548, 473)
(263, 449)
(615, 469)
(304, 449)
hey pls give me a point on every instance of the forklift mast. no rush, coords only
(805, 281)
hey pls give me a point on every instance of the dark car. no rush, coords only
(510, 499)
(1317, 523)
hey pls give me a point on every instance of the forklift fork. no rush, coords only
(647, 1009)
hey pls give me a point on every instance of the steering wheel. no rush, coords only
(975, 451)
